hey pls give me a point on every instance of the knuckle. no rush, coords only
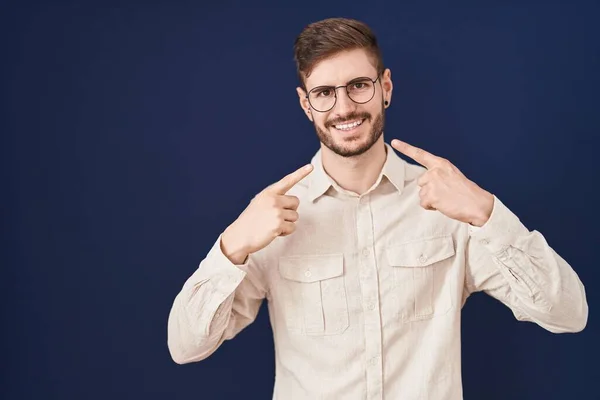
(446, 164)
(279, 214)
(276, 228)
(295, 201)
(260, 195)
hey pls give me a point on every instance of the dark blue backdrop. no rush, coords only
(132, 135)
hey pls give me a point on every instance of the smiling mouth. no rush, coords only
(347, 127)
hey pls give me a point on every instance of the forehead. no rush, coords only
(341, 68)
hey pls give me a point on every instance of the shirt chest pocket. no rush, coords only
(313, 294)
(421, 271)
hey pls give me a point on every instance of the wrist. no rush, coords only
(484, 211)
(233, 248)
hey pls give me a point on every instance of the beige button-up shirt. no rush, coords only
(365, 296)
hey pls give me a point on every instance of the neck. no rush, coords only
(355, 174)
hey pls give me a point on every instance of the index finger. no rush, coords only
(285, 184)
(424, 158)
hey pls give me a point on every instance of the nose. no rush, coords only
(343, 105)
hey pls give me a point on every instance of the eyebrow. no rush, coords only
(360, 78)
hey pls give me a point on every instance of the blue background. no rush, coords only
(133, 134)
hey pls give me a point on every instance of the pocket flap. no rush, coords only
(311, 268)
(421, 252)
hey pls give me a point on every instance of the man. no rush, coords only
(366, 260)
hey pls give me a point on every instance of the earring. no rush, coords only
(386, 103)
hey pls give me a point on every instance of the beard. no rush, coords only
(345, 148)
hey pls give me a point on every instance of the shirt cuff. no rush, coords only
(500, 230)
(223, 275)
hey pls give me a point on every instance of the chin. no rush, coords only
(351, 141)
(350, 148)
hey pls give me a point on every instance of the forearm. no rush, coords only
(542, 286)
(196, 324)
(549, 291)
(203, 312)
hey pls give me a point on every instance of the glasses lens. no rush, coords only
(322, 99)
(361, 91)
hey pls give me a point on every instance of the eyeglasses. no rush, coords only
(359, 90)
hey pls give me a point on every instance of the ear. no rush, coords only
(386, 84)
(304, 102)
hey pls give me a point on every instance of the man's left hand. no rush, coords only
(445, 189)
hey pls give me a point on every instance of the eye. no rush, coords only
(359, 85)
(323, 93)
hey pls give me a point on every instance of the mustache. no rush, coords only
(347, 118)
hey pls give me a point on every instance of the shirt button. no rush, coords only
(371, 306)
(423, 259)
(307, 274)
(485, 241)
(374, 360)
(365, 252)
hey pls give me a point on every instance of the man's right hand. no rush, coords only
(270, 214)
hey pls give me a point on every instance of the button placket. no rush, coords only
(369, 285)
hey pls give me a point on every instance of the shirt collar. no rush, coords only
(319, 181)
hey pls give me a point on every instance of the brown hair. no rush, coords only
(323, 39)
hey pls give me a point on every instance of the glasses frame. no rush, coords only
(335, 89)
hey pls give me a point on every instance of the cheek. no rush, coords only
(319, 120)
(376, 109)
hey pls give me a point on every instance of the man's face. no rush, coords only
(349, 128)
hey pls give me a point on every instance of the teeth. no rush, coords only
(345, 127)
